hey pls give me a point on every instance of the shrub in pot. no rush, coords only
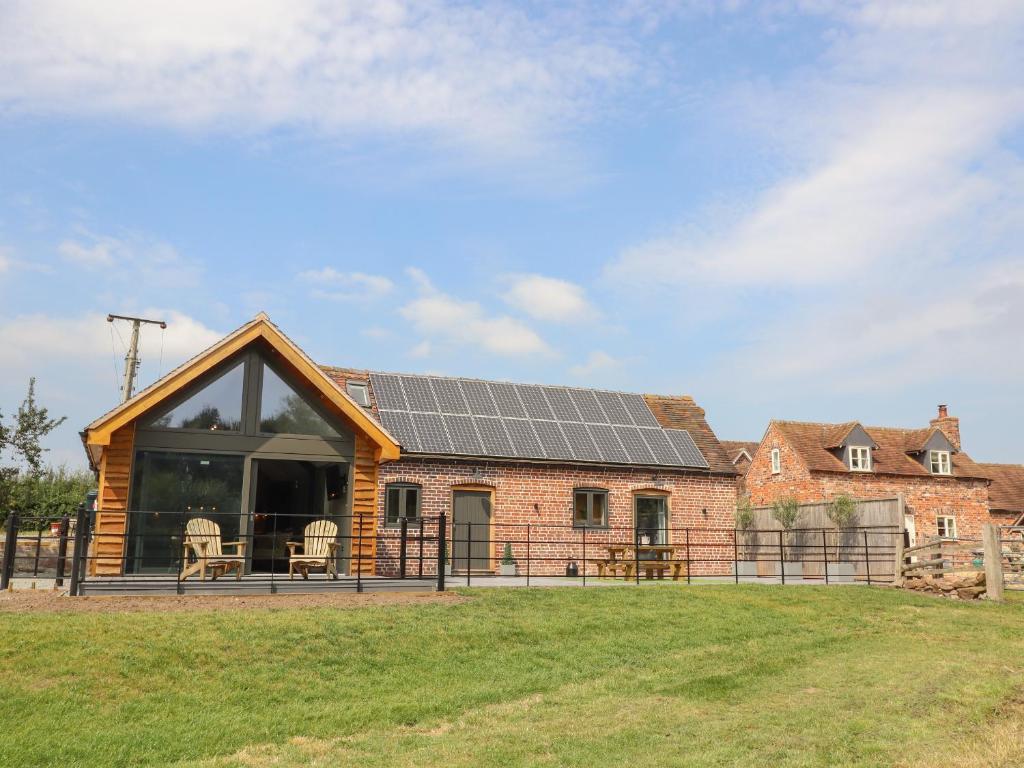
(786, 511)
(840, 511)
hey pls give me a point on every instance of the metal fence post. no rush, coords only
(867, 558)
(419, 573)
(359, 556)
(528, 527)
(584, 556)
(736, 555)
(62, 550)
(81, 522)
(824, 551)
(469, 550)
(782, 559)
(39, 546)
(687, 530)
(10, 550)
(403, 531)
(183, 554)
(442, 550)
(636, 552)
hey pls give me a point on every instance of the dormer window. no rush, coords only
(860, 458)
(776, 461)
(939, 462)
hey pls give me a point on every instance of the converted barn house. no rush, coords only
(254, 436)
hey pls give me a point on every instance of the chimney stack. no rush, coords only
(950, 425)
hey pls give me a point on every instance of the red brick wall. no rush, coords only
(925, 497)
(542, 496)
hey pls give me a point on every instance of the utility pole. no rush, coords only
(131, 360)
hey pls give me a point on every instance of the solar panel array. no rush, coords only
(468, 417)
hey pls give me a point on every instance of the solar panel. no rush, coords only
(561, 404)
(479, 398)
(634, 444)
(637, 408)
(607, 443)
(495, 439)
(524, 439)
(660, 446)
(613, 408)
(552, 440)
(449, 396)
(686, 448)
(388, 390)
(587, 405)
(432, 434)
(507, 400)
(463, 434)
(580, 442)
(399, 424)
(418, 394)
(534, 402)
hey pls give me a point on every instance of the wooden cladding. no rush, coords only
(108, 547)
(364, 506)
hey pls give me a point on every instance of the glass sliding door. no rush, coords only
(651, 521)
(170, 488)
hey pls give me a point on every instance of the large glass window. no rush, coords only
(168, 489)
(590, 508)
(217, 406)
(401, 501)
(651, 523)
(285, 411)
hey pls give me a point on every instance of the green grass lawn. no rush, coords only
(664, 676)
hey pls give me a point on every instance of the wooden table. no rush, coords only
(615, 562)
(660, 563)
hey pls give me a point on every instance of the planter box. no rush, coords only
(745, 568)
(793, 569)
(507, 570)
(840, 572)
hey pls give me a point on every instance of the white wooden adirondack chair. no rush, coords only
(202, 537)
(319, 550)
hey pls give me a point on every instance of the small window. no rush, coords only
(359, 392)
(946, 526)
(939, 461)
(860, 458)
(402, 501)
(590, 508)
(776, 461)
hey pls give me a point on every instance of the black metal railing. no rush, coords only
(164, 549)
(34, 547)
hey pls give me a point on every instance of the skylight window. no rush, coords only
(359, 392)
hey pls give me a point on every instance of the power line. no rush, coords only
(131, 360)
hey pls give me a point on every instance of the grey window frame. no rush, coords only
(206, 379)
(363, 388)
(403, 489)
(589, 524)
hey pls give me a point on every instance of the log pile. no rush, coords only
(958, 585)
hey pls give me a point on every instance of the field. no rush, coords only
(660, 676)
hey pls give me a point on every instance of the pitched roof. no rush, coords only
(672, 413)
(260, 328)
(733, 448)
(1006, 494)
(812, 442)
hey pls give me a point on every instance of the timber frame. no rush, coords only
(110, 441)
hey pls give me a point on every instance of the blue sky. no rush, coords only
(803, 210)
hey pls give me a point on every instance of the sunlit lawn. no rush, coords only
(662, 676)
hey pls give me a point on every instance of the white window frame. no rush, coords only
(943, 459)
(776, 461)
(949, 523)
(863, 458)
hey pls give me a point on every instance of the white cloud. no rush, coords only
(331, 284)
(901, 154)
(465, 325)
(100, 253)
(597, 362)
(548, 298)
(493, 76)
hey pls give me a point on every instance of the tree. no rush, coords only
(840, 511)
(744, 513)
(786, 510)
(31, 425)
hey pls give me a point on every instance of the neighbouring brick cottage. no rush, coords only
(741, 454)
(1006, 493)
(945, 493)
(254, 436)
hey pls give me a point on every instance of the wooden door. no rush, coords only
(471, 531)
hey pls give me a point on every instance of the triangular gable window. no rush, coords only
(285, 411)
(217, 406)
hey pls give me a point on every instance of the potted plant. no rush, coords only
(745, 566)
(786, 511)
(508, 563)
(840, 511)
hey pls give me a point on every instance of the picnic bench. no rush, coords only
(659, 562)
